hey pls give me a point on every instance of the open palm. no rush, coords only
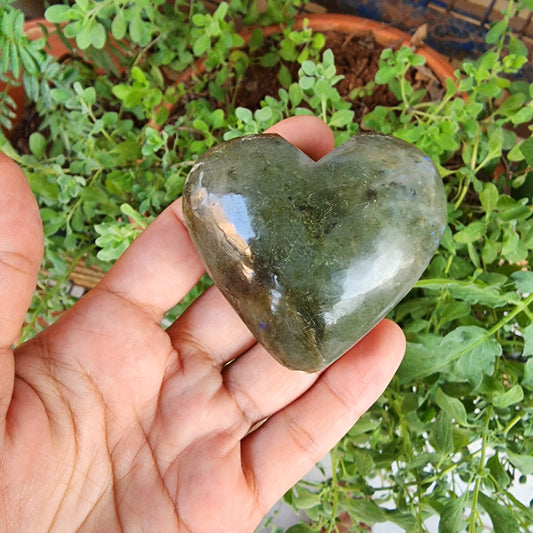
(108, 422)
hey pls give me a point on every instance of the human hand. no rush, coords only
(110, 423)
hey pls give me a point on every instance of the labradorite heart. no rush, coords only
(313, 254)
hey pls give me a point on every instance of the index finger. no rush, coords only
(21, 248)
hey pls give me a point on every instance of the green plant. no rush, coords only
(313, 93)
(454, 430)
(20, 61)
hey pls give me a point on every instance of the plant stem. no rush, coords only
(334, 488)
(513, 423)
(479, 476)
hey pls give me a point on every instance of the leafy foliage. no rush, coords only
(117, 137)
(454, 430)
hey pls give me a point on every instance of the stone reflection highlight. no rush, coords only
(313, 255)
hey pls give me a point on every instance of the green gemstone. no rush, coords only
(313, 254)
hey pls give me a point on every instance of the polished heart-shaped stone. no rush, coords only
(313, 254)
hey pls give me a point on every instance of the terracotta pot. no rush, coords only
(35, 29)
(384, 35)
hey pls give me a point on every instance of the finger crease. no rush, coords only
(17, 262)
(302, 438)
(152, 312)
(337, 393)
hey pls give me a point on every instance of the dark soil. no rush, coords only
(19, 136)
(357, 60)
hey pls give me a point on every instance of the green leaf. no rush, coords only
(37, 144)
(511, 209)
(363, 462)
(201, 44)
(502, 517)
(524, 463)
(490, 251)
(510, 397)
(341, 118)
(269, 60)
(14, 59)
(528, 374)
(528, 340)
(57, 13)
(306, 82)
(488, 197)
(300, 528)
(471, 233)
(475, 351)
(73, 28)
(306, 499)
(84, 37)
(452, 406)
(496, 31)
(384, 75)
(328, 59)
(525, 114)
(323, 89)
(402, 519)
(256, 40)
(451, 516)
(284, 76)
(89, 96)
(417, 60)
(512, 104)
(105, 159)
(365, 511)
(473, 292)
(4, 57)
(119, 26)
(8, 19)
(27, 60)
(244, 115)
(110, 252)
(41, 187)
(441, 435)
(98, 36)
(527, 150)
(423, 359)
(295, 94)
(308, 68)
(140, 31)
(513, 248)
(495, 143)
(499, 473)
(264, 114)
(128, 151)
(489, 88)
(523, 281)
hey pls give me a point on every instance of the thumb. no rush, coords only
(21, 245)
